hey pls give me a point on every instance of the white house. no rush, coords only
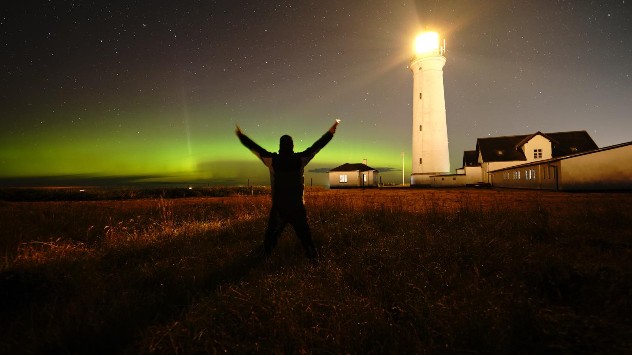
(353, 175)
(557, 161)
(496, 153)
(607, 168)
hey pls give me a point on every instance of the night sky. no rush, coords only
(151, 91)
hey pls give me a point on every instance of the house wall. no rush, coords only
(354, 179)
(601, 170)
(535, 176)
(491, 166)
(448, 180)
(373, 178)
(538, 142)
(474, 174)
(604, 170)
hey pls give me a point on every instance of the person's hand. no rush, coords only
(238, 130)
(333, 128)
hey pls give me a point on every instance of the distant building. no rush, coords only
(607, 168)
(470, 173)
(556, 161)
(500, 152)
(353, 175)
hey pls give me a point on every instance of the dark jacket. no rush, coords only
(286, 169)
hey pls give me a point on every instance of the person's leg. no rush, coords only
(301, 227)
(276, 224)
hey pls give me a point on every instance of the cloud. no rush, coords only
(319, 170)
(80, 180)
(383, 169)
(380, 169)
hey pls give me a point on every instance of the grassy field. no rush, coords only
(401, 271)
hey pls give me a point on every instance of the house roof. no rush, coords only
(616, 146)
(353, 167)
(470, 158)
(508, 148)
(530, 136)
(500, 148)
(572, 143)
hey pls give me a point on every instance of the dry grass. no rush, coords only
(457, 270)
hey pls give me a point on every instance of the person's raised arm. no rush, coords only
(310, 152)
(250, 144)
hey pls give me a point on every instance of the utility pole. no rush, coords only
(403, 174)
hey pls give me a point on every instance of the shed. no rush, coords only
(353, 175)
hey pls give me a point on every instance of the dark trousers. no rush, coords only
(296, 216)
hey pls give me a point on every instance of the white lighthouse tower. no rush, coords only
(430, 132)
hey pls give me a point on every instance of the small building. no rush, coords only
(353, 175)
(468, 175)
(471, 169)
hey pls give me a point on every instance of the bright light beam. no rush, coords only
(427, 43)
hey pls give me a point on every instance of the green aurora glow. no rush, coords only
(166, 149)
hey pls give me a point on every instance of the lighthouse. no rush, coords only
(430, 153)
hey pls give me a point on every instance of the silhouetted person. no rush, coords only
(286, 179)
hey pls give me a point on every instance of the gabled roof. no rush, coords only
(529, 137)
(353, 167)
(470, 158)
(572, 143)
(500, 148)
(508, 148)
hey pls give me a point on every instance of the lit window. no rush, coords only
(364, 178)
(343, 178)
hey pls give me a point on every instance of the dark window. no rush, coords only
(537, 154)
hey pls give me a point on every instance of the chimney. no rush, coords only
(364, 161)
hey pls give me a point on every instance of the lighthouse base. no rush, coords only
(422, 180)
